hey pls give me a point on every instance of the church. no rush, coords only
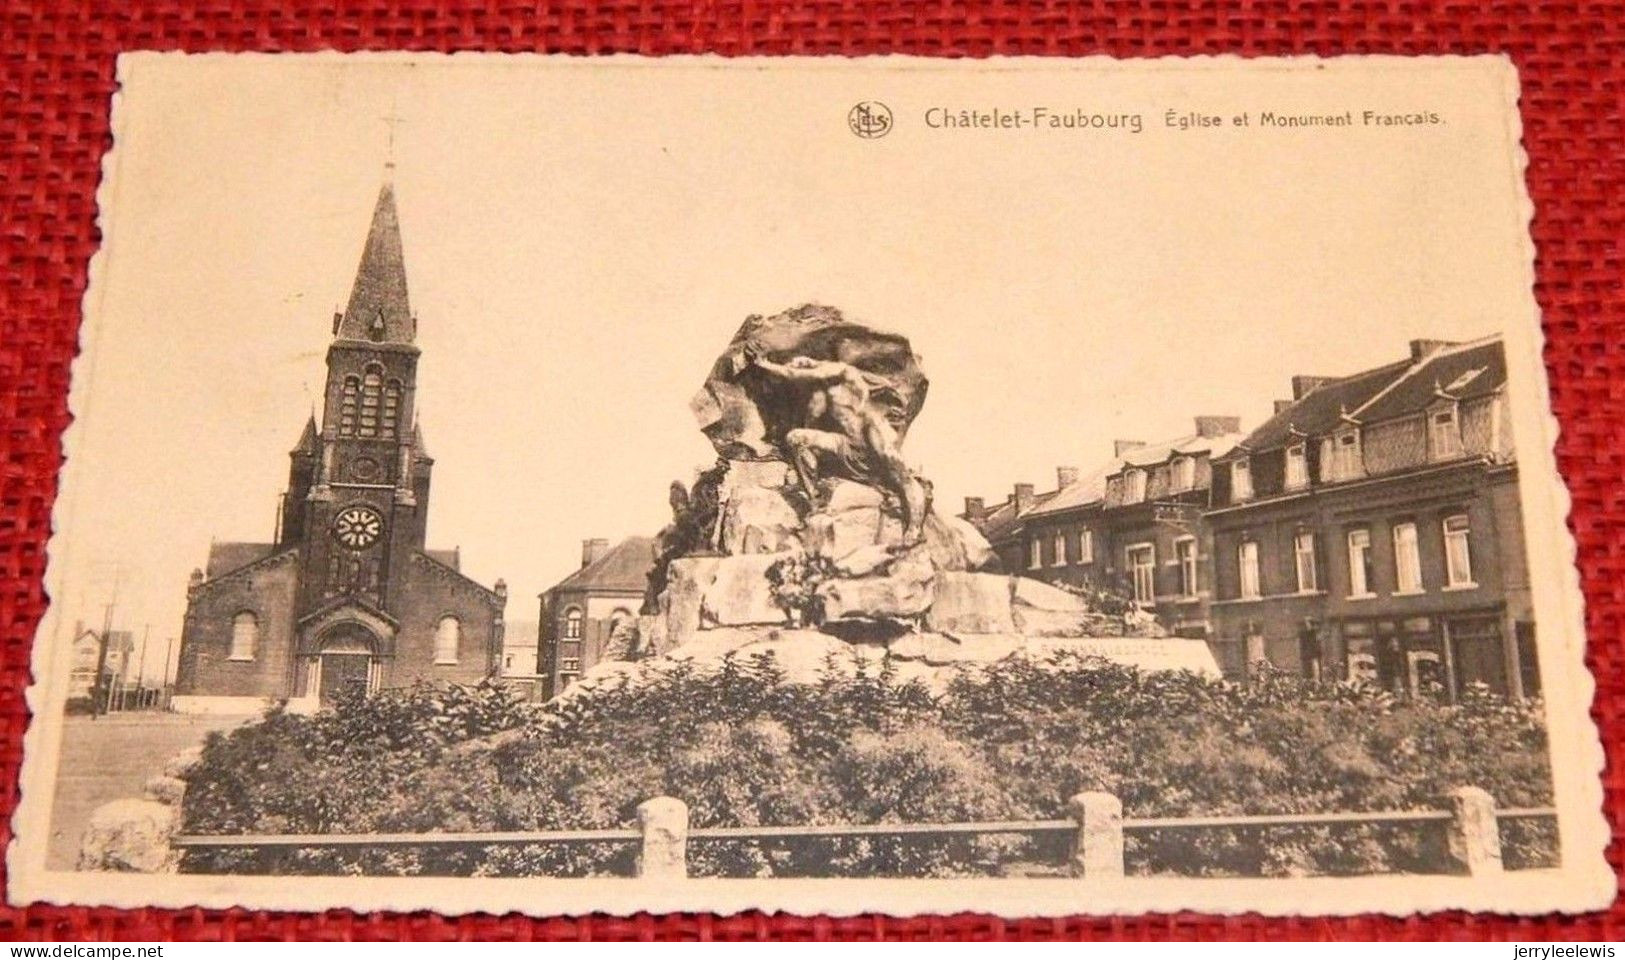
(347, 598)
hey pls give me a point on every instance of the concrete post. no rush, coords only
(1475, 835)
(664, 822)
(131, 836)
(1097, 851)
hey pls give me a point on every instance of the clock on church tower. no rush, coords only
(349, 596)
(357, 527)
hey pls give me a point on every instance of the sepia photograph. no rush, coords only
(518, 483)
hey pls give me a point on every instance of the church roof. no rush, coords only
(378, 309)
(418, 449)
(229, 555)
(624, 569)
(307, 438)
(450, 558)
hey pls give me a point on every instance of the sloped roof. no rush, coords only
(520, 634)
(118, 641)
(1320, 410)
(229, 555)
(378, 307)
(1155, 453)
(625, 567)
(448, 559)
(1092, 486)
(1003, 518)
(1086, 490)
(1471, 370)
(307, 438)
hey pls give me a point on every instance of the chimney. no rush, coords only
(593, 550)
(1120, 447)
(1303, 383)
(1023, 497)
(1065, 476)
(1210, 427)
(1281, 405)
(975, 509)
(1421, 348)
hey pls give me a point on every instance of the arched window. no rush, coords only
(372, 384)
(572, 623)
(348, 399)
(245, 633)
(446, 639)
(392, 409)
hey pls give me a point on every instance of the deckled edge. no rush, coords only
(49, 658)
(1582, 886)
(1583, 825)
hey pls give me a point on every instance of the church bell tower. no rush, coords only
(347, 599)
(368, 486)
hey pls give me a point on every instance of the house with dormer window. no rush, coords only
(1371, 530)
(1132, 525)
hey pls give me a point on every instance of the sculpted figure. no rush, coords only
(746, 412)
(847, 435)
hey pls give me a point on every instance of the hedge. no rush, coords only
(743, 747)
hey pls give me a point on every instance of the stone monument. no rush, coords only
(811, 533)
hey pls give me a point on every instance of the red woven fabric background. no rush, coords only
(56, 75)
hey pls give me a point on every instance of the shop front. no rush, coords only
(1441, 656)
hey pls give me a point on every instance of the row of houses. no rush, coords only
(1369, 529)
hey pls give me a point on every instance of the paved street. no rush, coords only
(109, 758)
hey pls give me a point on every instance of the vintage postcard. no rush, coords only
(1031, 486)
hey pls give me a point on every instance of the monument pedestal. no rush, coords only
(756, 565)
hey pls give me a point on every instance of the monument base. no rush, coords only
(935, 659)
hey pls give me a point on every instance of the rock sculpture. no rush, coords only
(811, 532)
(845, 435)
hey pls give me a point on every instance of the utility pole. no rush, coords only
(99, 690)
(141, 668)
(168, 653)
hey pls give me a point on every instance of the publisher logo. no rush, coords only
(870, 119)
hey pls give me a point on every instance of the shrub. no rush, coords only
(743, 747)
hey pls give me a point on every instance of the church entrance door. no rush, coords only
(343, 672)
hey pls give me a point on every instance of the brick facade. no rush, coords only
(581, 613)
(346, 595)
(1133, 526)
(1423, 509)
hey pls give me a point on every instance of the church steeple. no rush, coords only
(379, 310)
(307, 445)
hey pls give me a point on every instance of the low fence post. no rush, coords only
(1475, 834)
(664, 854)
(1097, 850)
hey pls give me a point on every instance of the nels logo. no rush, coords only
(870, 119)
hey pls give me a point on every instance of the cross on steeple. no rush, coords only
(390, 120)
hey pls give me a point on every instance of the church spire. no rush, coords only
(378, 309)
(307, 439)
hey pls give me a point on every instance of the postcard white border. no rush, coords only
(1584, 881)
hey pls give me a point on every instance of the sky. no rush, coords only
(582, 239)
